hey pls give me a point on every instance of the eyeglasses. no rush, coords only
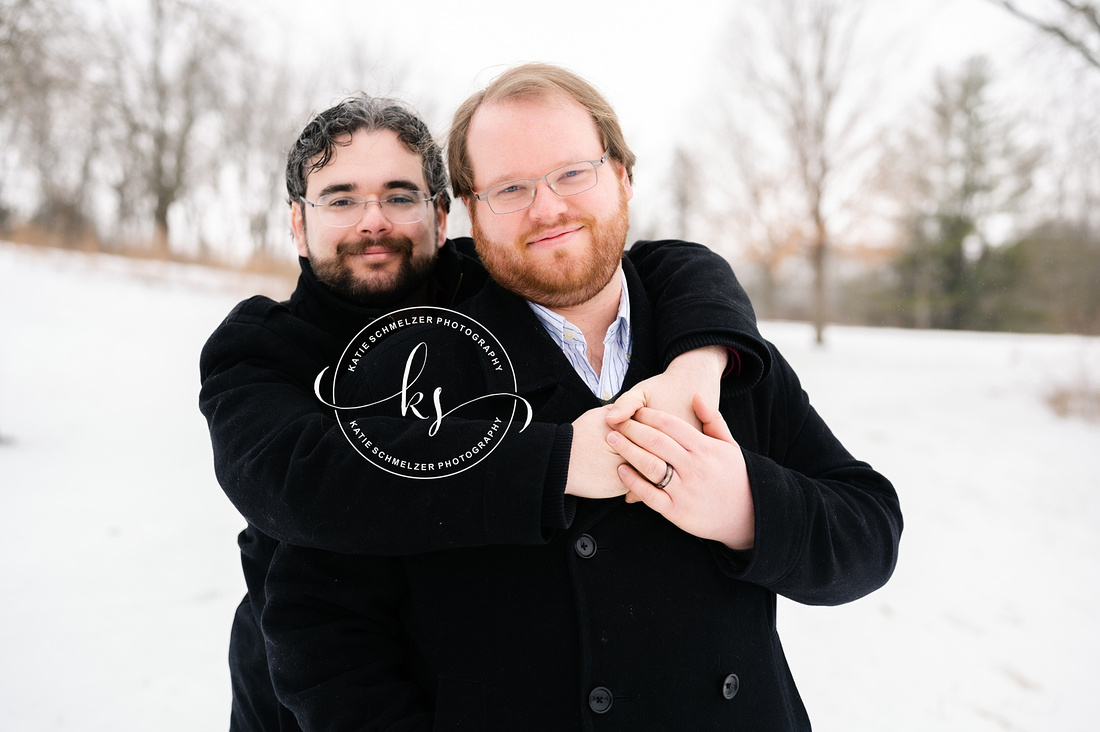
(568, 180)
(342, 209)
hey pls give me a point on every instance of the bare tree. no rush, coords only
(166, 91)
(1068, 102)
(25, 53)
(762, 203)
(45, 50)
(22, 39)
(1075, 24)
(797, 112)
(267, 106)
(686, 188)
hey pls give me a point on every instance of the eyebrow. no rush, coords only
(404, 185)
(336, 188)
(393, 185)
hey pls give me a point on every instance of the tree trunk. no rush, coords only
(817, 259)
(160, 228)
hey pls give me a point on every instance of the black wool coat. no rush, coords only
(618, 621)
(283, 461)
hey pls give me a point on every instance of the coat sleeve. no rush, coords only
(286, 466)
(334, 642)
(697, 301)
(284, 462)
(828, 526)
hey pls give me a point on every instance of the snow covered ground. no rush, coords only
(118, 560)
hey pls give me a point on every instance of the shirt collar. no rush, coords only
(562, 331)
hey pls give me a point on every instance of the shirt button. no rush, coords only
(730, 686)
(585, 546)
(599, 699)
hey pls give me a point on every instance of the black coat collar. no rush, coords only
(456, 277)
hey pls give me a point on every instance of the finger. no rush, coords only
(645, 491)
(650, 466)
(656, 442)
(685, 435)
(714, 425)
(625, 406)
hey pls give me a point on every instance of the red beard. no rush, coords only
(561, 278)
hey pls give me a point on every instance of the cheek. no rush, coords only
(500, 230)
(425, 248)
(322, 242)
(425, 239)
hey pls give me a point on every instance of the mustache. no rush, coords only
(400, 244)
(562, 222)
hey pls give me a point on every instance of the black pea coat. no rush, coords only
(283, 461)
(620, 621)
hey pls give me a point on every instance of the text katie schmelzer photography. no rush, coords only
(424, 393)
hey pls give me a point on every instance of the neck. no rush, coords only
(595, 315)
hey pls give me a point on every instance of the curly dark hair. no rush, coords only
(316, 144)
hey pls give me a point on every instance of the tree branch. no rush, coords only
(1057, 31)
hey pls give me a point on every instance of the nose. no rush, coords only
(547, 204)
(372, 220)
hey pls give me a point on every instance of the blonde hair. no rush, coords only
(532, 81)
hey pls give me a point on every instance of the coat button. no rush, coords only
(600, 699)
(730, 686)
(585, 546)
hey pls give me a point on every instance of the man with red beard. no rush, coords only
(366, 186)
(654, 611)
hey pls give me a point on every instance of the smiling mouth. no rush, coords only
(375, 252)
(553, 237)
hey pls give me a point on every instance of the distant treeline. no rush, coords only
(159, 128)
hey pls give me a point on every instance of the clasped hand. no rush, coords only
(593, 464)
(622, 449)
(709, 493)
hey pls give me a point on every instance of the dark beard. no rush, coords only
(410, 277)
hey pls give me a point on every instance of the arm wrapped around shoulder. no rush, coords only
(698, 302)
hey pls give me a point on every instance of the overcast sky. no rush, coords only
(648, 56)
(652, 58)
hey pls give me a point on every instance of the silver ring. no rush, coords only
(668, 477)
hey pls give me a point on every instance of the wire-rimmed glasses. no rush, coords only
(346, 209)
(568, 180)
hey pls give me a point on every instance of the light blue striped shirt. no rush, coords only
(617, 344)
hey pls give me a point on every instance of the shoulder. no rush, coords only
(459, 273)
(488, 302)
(256, 310)
(642, 249)
(260, 327)
(257, 314)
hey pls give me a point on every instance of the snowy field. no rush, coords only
(120, 573)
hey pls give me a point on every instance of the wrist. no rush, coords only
(711, 361)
